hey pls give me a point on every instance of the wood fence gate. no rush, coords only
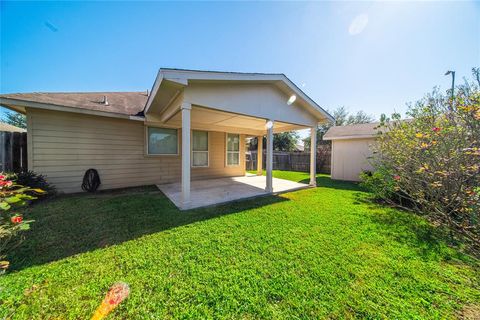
(13, 151)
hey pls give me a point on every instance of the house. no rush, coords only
(9, 128)
(351, 148)
(300, 147)
(191, 127)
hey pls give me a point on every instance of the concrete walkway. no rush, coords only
(214, 191)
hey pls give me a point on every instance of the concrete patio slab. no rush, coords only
(215, 191)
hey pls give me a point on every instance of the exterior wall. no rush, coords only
(64, 145)
(350, 158)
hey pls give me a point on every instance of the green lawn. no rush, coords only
(316, 253)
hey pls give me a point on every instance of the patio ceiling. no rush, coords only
(209, 119)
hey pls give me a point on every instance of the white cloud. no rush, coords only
(358, 24)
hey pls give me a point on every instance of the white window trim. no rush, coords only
(208, 150)
(148, 154)
(226, 150)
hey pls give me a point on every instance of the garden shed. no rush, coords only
(351, 148)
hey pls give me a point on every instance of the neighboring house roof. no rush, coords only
(299, 147)
(8, 127)
(124, 103)
(353, 131)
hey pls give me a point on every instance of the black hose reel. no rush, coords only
(91, 180)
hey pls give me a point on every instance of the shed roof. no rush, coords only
(125, 103)
(8, 127)
(353, 131)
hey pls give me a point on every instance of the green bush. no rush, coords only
(35, 181)
(379, 183)
(430, 163)
(12, 197)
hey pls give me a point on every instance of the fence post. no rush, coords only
(2, 149)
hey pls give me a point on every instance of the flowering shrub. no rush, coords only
(12, 196)
(431, 163)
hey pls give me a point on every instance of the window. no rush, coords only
(162, 141)
(233, 149)
(199, 148)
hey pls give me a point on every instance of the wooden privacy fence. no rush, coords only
(13, 151)
(293, 161)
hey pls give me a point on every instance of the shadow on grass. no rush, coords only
(327, 182)
(431, 243)
(74, 224)
(323, 180)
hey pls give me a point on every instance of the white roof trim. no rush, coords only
(364, 136)
(153, 92)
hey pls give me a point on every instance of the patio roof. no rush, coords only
(172, 82)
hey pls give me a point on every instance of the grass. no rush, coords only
(316, 253)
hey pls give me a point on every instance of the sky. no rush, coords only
(370, 56)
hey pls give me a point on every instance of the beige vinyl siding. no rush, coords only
(350, 158)
(64, 145)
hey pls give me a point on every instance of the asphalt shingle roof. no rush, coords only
(8, 127)
(364, 130)
(126, 103)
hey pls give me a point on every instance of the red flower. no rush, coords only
(17, 219)
(436, 129)
(396, 177)
(2, 177)
(7, 183)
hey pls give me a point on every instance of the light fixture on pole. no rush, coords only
(453, 80)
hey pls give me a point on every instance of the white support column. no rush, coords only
(269, 164)
(259, 155)
(313, 156)
(186, 108)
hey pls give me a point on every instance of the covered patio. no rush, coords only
(245, 104)
(215, 191)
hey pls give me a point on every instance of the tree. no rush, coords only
(342, 118)
(285, 141)
(430, 164)
(15, 119)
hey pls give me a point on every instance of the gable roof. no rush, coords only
(8, 127)
(128, 104)
(123, 103)
(184, 76)
(353, 131)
